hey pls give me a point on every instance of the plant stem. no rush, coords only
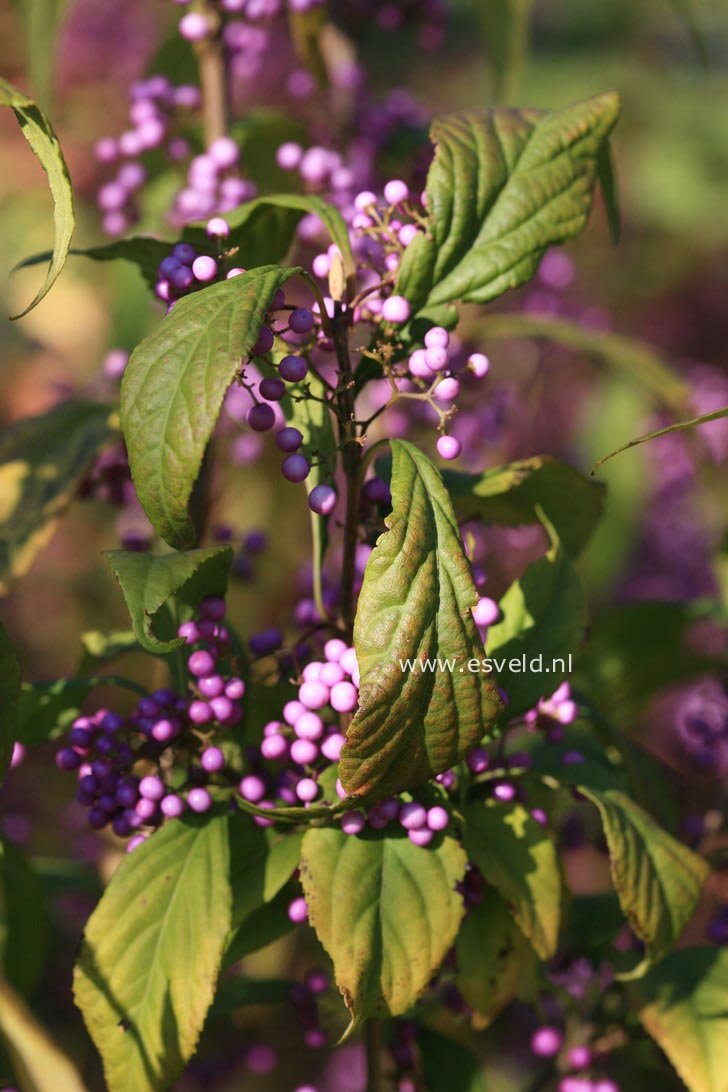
(210, 54)
(350, 457)
(373, 1046)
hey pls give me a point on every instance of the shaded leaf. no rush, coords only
(682, 1004)
(174, 386)
(516, 493)
(543, 626)
(238, 992)
(634, 359)
(506, 27)
(447, 1065)
(101, 646)
(261, 926)
(504, 185)
(658, 879)
(23, 921)
(517, 856)
(39, 133)
(38, 1063)
(42, 463)
(491, 952)
(9, 696)
(152, 950)
(385, 910)
(149, 582)
(415, 604)
(46, 710)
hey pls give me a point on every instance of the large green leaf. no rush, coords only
(504, 185)
(41, 21)
(9, 695)
(517, 856)
(38, 1063)
(23, 922)
(153, 948)
(491, 952)
(636, 360)
(45, 710)
(174, 386)
(149, 582)
(385, 910)
(39, 133)
(415, 604)
(658, 879)
(518, 492)
(544, 615)
(682, 1004)
(42, 462)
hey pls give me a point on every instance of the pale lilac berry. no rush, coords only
(307, 790)
(420, 836)
(212, 759)
(313, 695)
(505, 792)
(437, 818)
(406, 235)
(412, 815)
(437, 338)
(194, 26)
(332, 745)
(417, 365)
(224, 152)
(252, 788)
(546, 1042)
(151, 788)
(479, 365)
(304, 752)
(396, 191)
(396, 309)
(204, 268)
(485, 612)
(364, 200)
(201, 663)
(222, 707)
(580, 1056)
(477, 760)
(298, 910)
(334, 649)
(352, 822)
(309, 726)
(447, 389)
(234, 688)
(199, 800)
(289, 155)
(448, 447)
(217, 228)
(331, 674)
(172, 806)
(274, 748)
(436, 358)
(344, 697)
(292, 710)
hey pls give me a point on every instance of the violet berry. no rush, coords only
(271, 389)
(293, 369)
(485, 612)
(322, 500)
(298, 910)
(212, 759)
(261, 417)
(546, 1042)
(301, 320)
(199, 800)
(289, 439)
(201, 663)
(448, 447)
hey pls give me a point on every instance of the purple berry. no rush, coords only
(172, 806)
(412, 815)
(265, 342)
(272, 389)
(184, 253)
(298, 910)
(151, 788)
(546, 1042)
(200, 712)
(485, 611)
(68, 759)
(420, 836)
(322, 500)
(261, 418)
(222, 707)
(204, 268)
(289, 439)
(301, 320)
(307, 790)
(212, 760)
(437, 818)
(293, 369)
(295, 468)
(199, 800)
(352, 822)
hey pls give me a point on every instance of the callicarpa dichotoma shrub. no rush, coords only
(390, 771)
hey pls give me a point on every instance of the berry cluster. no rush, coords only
(184, 270)
(153, 116)
(136, 771)
(214, 184)
(548, 1042)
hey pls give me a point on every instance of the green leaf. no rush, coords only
(447, 1065)
(491, 952)
(149, 582)
(265, 862)
(385, 910)
(39, 133)
(140, 250)
(680, 426)
(415, 603)
(658, 879)
(543, 626)
(262, 926)
(42, 463)
(9, 695)
(23, 922)
(38, 1063)
(45, 710)
(504, 186)
(152, 950)
(516, 494)
(174, 386)
(517, 856)
(682, 1004)
(41, 21)
(506, 26)
(607, 177)
(635, 360)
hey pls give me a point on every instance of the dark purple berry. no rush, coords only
(289, 439)
(272, 389)
(293, 369)
(184, 253)
(301, 320)
(295, 468)
(261, 417)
